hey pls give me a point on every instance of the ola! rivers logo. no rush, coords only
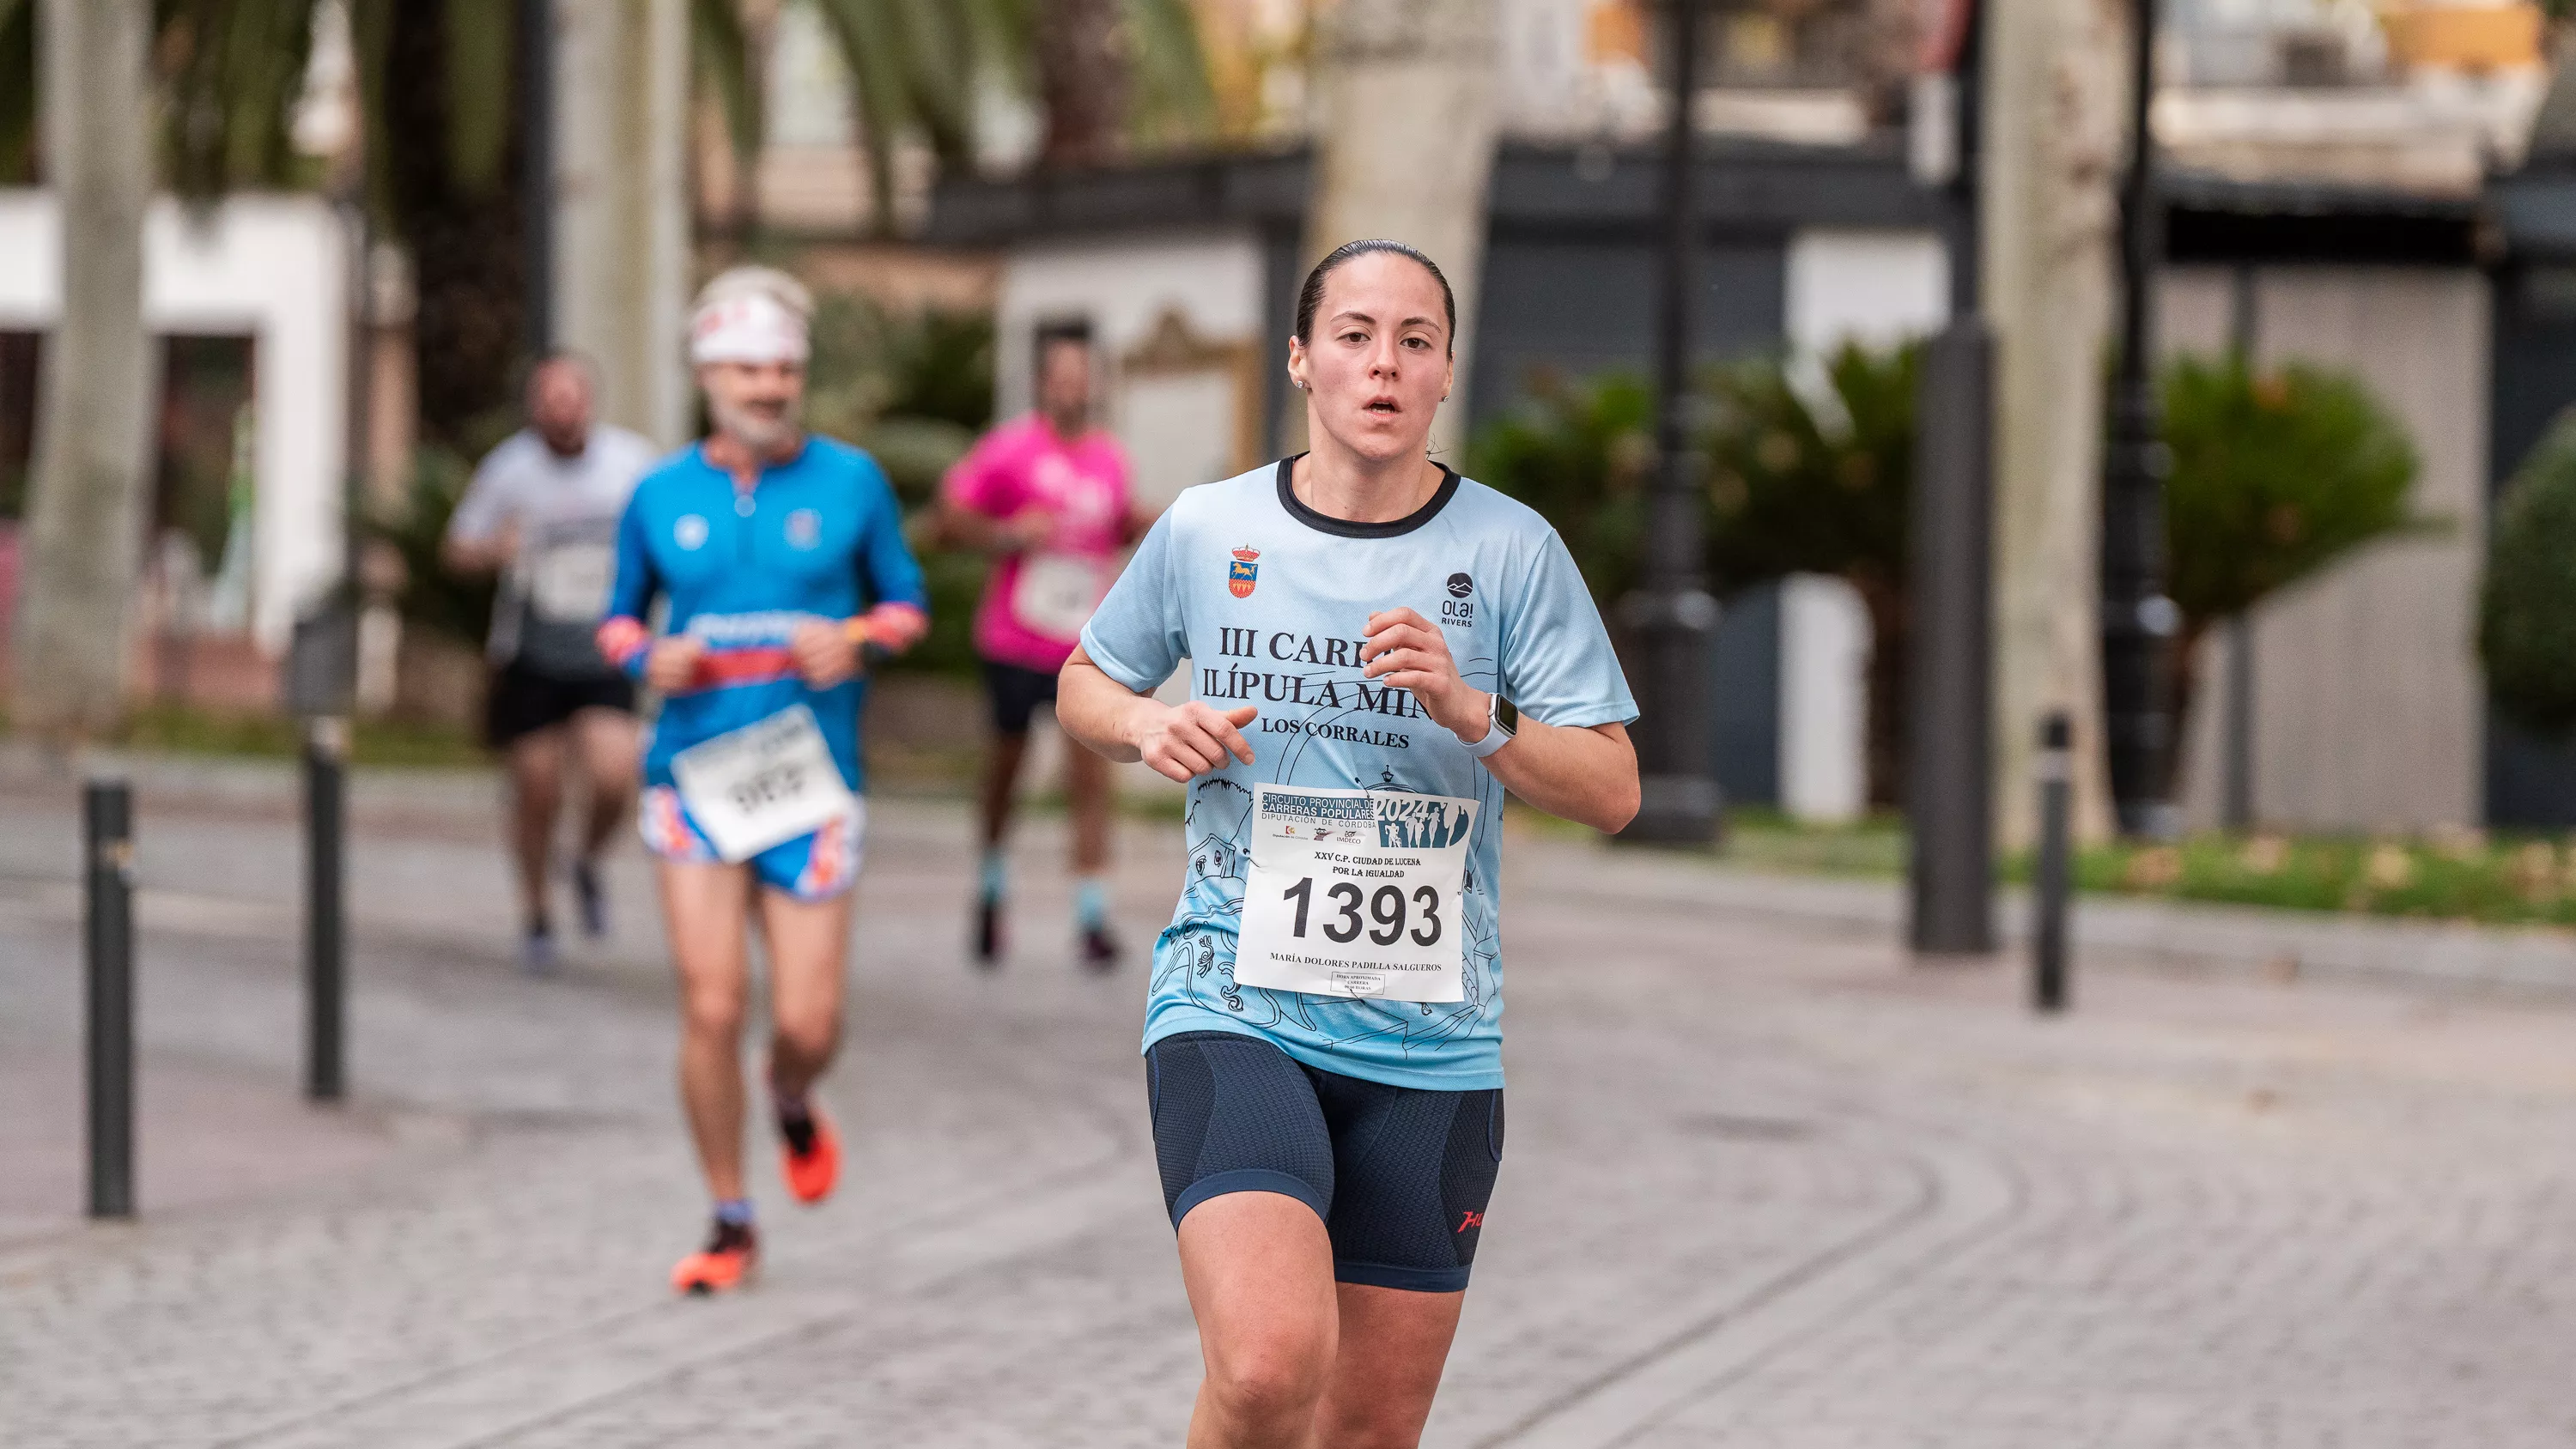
(1459, 608)
(1243, 572)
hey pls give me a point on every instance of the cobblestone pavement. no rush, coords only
(1766, 1186)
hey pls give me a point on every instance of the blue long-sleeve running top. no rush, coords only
(817, 537)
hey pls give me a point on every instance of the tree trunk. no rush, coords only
(621, 224)
(1083, 75)
(468, 244)
(93, 439)
(2053, 143)
(1889, 649)
(1405, 146)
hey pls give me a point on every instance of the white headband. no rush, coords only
(752, 327)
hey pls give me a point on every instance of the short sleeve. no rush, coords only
(1558, 666)
(1139, 634)
(487, 501)
(979, 483)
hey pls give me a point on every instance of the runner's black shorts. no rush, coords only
(1400, 1175)
(1016, 694)
(523, 701)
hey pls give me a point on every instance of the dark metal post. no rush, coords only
(536, 58)
(2052, 876)
(1673, 615)
(2138, 620)
(1949, 730)
(107, 815)
(2237, 811)
(326, 745)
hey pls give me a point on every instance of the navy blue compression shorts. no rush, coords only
(1400, 1175)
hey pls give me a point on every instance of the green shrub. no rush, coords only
(2527, 617)
(452, 605)
(2275, 475)
(1813, 472)
(912, 388)
(1582, 454)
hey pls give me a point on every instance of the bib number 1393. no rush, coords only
(1387, 909)
(1355, 893)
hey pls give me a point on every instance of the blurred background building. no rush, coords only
(2352, 187)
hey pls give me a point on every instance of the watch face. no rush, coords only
(1507, 716)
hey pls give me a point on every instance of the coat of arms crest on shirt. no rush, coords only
(1243, 572)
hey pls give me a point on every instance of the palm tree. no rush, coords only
(92, 438)
(1103, 71)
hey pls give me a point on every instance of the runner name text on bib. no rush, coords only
(1355, 893)
(765, 783)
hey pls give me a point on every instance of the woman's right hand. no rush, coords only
(1187, 740)
(673, 663)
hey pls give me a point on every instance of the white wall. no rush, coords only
(1122, 285)
(274, 268)
(1875, 286)
(1824, 699)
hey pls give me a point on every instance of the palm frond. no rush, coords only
(724, 63)
(1003, 36)
(1173, 99)
(480, 37)
(233, 71)
(873, 37)
(939, 50)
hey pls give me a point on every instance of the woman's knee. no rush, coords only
(1278, 1379)
(713, 1008)
(812, 1034)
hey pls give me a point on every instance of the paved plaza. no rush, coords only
(1766, 1183)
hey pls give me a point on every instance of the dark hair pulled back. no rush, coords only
(1311, 296)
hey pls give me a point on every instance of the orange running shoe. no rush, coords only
(811, 1153)
(729, 1260)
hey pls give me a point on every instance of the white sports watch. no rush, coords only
(1502, 723)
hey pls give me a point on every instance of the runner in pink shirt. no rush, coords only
(1047, 494)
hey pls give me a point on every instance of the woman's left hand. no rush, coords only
(1405, 649)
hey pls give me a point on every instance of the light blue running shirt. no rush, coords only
(1268, 600)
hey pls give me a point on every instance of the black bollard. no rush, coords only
(326, 749)
(107, 814)
(2054, 871)
(1949, 804)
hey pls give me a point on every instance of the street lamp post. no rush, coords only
(2138, 620)
(1672, 615)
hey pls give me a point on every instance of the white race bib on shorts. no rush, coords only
(570, 582)
(761, 785)
(1056, 592)
(1355, 893)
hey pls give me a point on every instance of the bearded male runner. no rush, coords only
(542, 514)
(779, 554)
